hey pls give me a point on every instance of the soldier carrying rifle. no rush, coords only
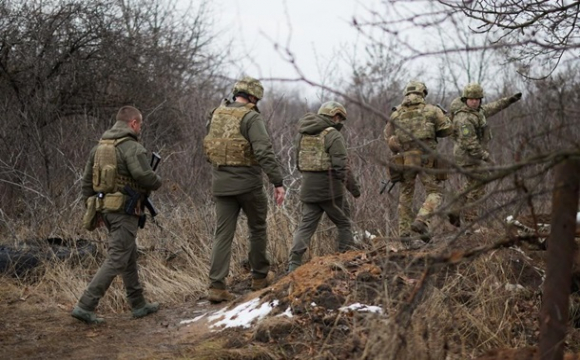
(118, 162)
(411, 134)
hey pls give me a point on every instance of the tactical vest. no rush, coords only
(105, 177)
(413, 121)
(224, 144)
(312, 155)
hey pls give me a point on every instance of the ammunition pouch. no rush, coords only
(110, 202)
(91, 217)
(395, 168)
(413, 158)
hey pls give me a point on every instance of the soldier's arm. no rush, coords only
(351, 183)
(389, 130)
(336, 148)
(87, 180)
(494, 107)
(443, 126)
(139, 166)
(255, 132)
(467, 137)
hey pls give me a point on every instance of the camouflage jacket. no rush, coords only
(471, 134)
(320, 186)
(427, 123)
(235, 180)
(132, 161)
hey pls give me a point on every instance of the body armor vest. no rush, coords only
(412, 119)
(105, 176)
(224, 144)
(312, 155)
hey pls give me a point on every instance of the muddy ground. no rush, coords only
(315, 293)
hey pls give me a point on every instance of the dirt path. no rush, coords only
(30, 330)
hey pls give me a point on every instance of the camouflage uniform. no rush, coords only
(239, 148)
(471, 135)
(325, 175)
(411, 121)
(132, 164)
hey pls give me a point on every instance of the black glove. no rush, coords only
(515, 98)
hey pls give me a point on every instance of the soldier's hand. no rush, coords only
(516, 97)
(279, 194)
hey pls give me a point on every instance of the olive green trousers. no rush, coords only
(121, 260)
(255, 206)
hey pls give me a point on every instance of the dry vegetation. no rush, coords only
(61, 79)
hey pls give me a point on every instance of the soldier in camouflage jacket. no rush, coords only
(411, 134)
(471, 135)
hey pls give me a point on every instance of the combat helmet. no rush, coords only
(331, 108)
(416, 87)
(250, 86)
(472, 91)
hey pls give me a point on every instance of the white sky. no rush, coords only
(313, 30)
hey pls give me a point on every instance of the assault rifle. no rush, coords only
(135, 196)
(385, 183)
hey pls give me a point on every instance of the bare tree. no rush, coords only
(67, 66)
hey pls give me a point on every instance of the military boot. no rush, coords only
(294, 262)
(292, 267)
(219, 295)
(260, 283)
(86, 316)
(148, 308)
(422, 229)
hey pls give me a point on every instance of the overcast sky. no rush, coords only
(313, 30)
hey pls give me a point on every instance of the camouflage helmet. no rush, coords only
(250, 86)
(473, 91)
(332, 108)
(416, 87)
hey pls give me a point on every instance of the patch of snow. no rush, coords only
(287, 313)
(509, 219)
(514, 287)
(362, 308)
(183, 322)
(313, 304)
(242, 315)
(368, 235)
(578, 218)
(518, 249)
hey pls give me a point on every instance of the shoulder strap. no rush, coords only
(326, 131)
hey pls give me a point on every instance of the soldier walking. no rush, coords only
(118, 161)
(239, 149)
(322, 159)
(471, 136)
(411, 134)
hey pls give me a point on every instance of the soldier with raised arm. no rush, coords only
(471, 135)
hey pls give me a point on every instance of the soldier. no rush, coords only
(471, 136)
(322, 159)
(117, 162)
(412, 131)
(239, 148)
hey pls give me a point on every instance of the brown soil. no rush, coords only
(31, 329)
